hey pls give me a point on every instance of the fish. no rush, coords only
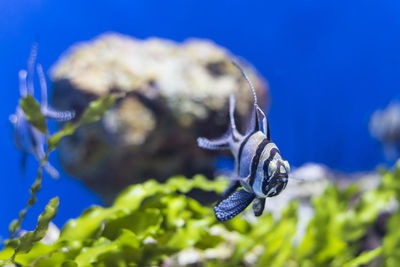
(26, 137)
(384, 125)
(260, 171)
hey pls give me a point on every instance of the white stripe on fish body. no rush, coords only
(248, 153)
(258, 180)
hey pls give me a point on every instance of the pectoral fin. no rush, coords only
(258, 206)
(233, 205)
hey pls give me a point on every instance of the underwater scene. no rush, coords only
(200, 133)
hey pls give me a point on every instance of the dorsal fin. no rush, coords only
(254, 125)
(248, 81)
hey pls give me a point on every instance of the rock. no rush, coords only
(171, 93)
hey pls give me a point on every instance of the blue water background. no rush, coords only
(329, 65)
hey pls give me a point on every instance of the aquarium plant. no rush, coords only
(153, 224)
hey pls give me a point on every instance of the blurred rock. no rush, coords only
(171, 93)
(385, 126)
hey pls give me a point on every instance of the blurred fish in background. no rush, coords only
(384, 125)
(27, 138)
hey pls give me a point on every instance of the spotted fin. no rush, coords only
(233, 205)
(232, 186)
(58, 115)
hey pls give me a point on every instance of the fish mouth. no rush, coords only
(280, 180)
(277, 185)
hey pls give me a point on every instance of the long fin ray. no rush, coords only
(51, 170)
(233, 205)
(23, 89)
(232, 102)
(31, 67)
(214, 144)
(217, 143)
(248, 81)
(54, 114)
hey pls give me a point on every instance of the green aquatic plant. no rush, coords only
(154, 223)
(33, 113)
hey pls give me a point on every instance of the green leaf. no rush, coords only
(365, 258)
(97, 109)
(33, 113)
(54, 140)
(92, 113)
(27, 241)
(151, 222)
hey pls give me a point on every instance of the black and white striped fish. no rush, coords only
(259, 167)
(26, 137)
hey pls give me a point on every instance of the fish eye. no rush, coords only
(287, 166)
(272, 168)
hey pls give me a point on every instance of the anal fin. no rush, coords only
(232, 186)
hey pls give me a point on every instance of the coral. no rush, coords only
(171, 93)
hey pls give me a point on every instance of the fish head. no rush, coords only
(277, 177)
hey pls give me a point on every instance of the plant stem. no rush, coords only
(37, 185)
